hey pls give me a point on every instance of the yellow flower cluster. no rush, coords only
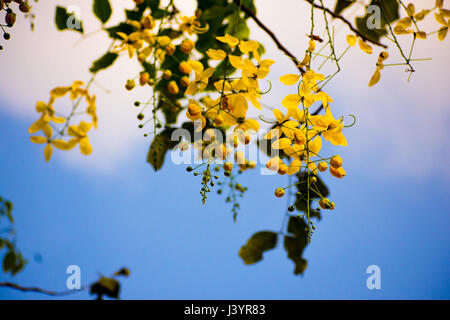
(77, 134)
(404, 26)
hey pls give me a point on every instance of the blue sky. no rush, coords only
(110, 209)
(178, 249)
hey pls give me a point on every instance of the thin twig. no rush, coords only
(348, 23)
(39, 290)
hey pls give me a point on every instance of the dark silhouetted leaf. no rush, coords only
(253, 250)
(9, 260)
(102, 9)
(66, 21)
(159, 147)
(295, 245)
(341, 5)
(104, 62)
(122, 27)
(105, 286)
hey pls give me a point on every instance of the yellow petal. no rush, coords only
(62, 145)
(236, 61)
(195, 65)
(291, 101)
(85, 146)
(281, 143)
(365, 47)
(375, 78)
(38, 139)
(442, 33)
(294, 167)
(228, 39)
(48, 152)
(440, 18)
(59, 91)
(290, 79)
(351, 40)
(410, 9)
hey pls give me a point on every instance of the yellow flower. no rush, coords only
(330, 128)
(80, 137)
(74, 89)
(130, 43)
(201, 78)
(184, 67)
(284, 125)
(191, 25)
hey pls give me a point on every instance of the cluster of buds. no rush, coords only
(10, 16)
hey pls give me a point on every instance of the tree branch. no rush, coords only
(252, 15)
(348, 23)
(39, 290)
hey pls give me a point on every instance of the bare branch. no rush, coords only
(348, 23)
(269, 32)
(39, 290)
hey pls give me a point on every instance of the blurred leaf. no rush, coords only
(295, 245)
(237, 27)
(9, 208)
(2, 243)
(389, 13)
(253, 250)
(104, 62)
(105, 286)
(62, 20)
(18, 264)
(341, 5)
(122, 27)
(150, 69)
(122, 272)
(159, 147)
(102, 10)
(9, 261)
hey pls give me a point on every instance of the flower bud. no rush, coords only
(143, 79)
(279, 192)
(184, 67)
(130, 84)
(323, 166)
(173, 87)
(187, 46)
(336, 162)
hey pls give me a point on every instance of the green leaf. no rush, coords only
(389, 10)
(9, 208)
(102, 9)
(295, 245)
(18, 265)
(237, 27)
(159, 147)
(105, 286)
(9, 260)
(150, 69)
(122, 27)
(253, 250)
(104, 62)
(341, 5)
(2, 243)
(67, 21)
